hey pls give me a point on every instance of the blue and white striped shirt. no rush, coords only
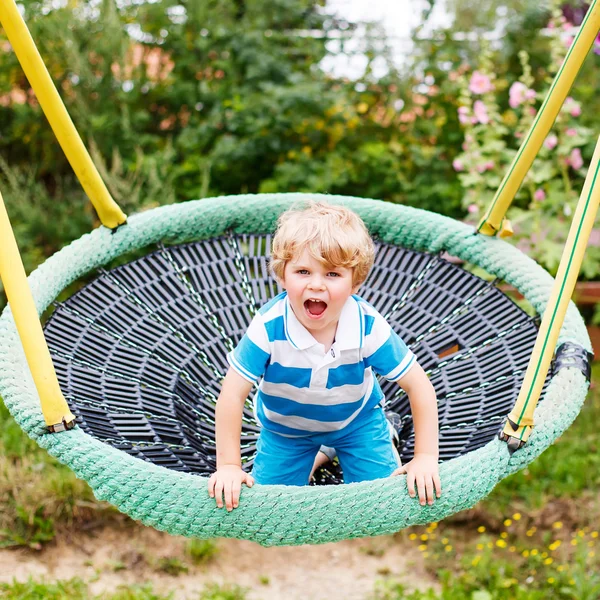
(305, 390)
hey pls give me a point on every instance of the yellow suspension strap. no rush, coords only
(493, 222)
(520, 420)
(109, 212)
(57, 415)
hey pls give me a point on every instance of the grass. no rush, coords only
(77, 589)
(36, 492)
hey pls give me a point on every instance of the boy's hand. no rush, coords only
(423, 470)
(227, 481)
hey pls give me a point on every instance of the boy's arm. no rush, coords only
(423, 469)
(229, 476)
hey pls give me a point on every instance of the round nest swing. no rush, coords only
(140, 352)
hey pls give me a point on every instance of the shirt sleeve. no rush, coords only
(250, 357)
(385, 351)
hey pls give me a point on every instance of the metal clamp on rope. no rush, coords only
(62, 426)
(571, 355)
(514, 442)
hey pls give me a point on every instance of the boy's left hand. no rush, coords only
(423, 470)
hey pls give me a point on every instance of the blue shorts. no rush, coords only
(364, 449)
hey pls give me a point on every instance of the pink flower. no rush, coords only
(481, 168)
(575, 159)
(551, 141)
(480, 111)
(473, 208)
(490, 164)
(568, 41)
(594, 237)
(539, 195)
(572, 132)
(518, 93)
(458, 165)
(463, 114)
(572, 107)
(480, 83)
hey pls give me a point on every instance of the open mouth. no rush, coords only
(315, 308)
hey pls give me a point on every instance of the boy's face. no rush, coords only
(317, 293)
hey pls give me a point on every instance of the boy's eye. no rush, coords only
(333, 274)
(302, 271)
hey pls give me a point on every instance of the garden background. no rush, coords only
(185, 100)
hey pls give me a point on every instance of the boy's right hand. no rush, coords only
(226, 482)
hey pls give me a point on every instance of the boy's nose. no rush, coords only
(317, 283)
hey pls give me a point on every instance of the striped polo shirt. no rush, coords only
(305, 390)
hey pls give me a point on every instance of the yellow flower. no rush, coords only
(475, 561)
(591, 554)
(548, 561)
(534, 552)
(517, 516)
(571, 581)
(433, 525)
(490, 545)
(530, 532)
(513, 549)
(580, 533)
(557, 525)
(423, 547)
(544, 555)
(424, 537)
(594, 534)
(504, 535)
(362, 108)
(554, 545)
(479, 546)
(573, 542)
(560, 568)
(445, 541)
(448, 548)
(525, 553)
(507, 522)
(481, 529)
(412, 536)
(550, 579)
(501, 543)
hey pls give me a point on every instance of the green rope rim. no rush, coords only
(279, 515)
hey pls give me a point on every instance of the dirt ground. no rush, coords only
(110, 556)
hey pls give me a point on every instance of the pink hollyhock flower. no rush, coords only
(463, 114)
(551, 141)
(568, 41)
(539, 195)
(457, 165)
(490, 164)
(480, 83)
(597, 45)
(473, 208)
(517, 94)
(480, 111)
(481, 168)
(572, 107)
(572, 132)
(594, 237)
(530, 94)
(575, 159)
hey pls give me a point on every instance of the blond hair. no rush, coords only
(333, 235)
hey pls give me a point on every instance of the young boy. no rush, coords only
(316, 347)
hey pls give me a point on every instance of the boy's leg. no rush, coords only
(366, 451)
(283, 461)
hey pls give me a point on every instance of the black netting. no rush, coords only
(140, 351)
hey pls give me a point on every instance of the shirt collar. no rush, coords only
(349, 334)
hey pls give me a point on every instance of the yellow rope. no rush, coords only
(493, 221)
(56, 411)
(554, 315)
(60, 121)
